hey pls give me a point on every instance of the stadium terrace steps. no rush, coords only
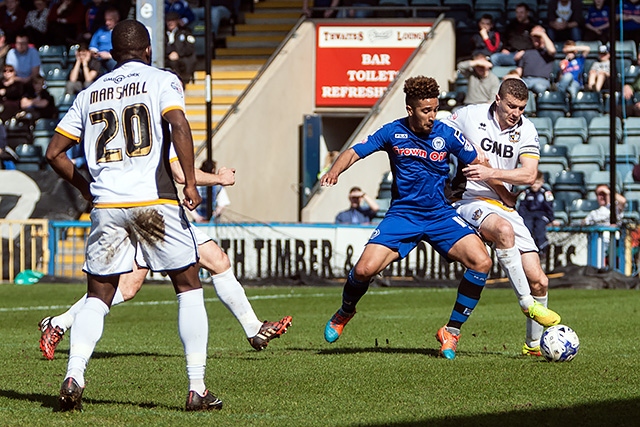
(239, 61)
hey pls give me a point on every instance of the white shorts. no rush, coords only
(200, 236)
(475, 211)
(161, 233)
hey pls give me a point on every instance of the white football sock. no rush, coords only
(232, 295)
(65, 320)
(84, 337)
(193, 327)
(534, 329)
(511, 262)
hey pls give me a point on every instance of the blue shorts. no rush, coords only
(402, 231)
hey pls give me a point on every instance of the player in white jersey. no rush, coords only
(124, 120)
(229, 290)
(507, 139)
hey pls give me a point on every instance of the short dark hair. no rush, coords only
(420, 87)
(208, 166)
(487, 16)
(514, 87)
(129, 39)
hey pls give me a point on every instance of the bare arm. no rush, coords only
(342, 163)
(183, 143)
(225, 176)
(57, 157)
(524, 175)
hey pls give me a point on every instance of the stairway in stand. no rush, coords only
(239, 61)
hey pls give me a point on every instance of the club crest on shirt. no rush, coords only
(483, 126)
(438, 143)
(375, 234)
(514, 136)
(177, 87)
(477, 214)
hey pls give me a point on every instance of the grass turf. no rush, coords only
(384, 370)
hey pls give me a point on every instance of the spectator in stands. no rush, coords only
(536, 65)
(100, 44)
(182, 8)
(632, 106)
(631, 20)
(11, 91)
(24, 59)
(536, 209)
(66, 22)
(572, 67)
(8, 157)
(94, 18)
(596, 26)
(12, 19)
(602, 215)
(4, 49)
(221, 10)
(312, 12)
(600, 71)
(566, 20)
(357, 13)
(486, 41)
(220, 197)
(358, 213)
(180, 48)
(517, 38)
(36, 23)
(511, 74)
(37, 102)
(483, 83)
(85, 70)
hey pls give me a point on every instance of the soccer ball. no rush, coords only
(559, 343)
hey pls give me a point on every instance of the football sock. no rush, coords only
(469, 291)
(66, 319)
(193, 327)
(534, 329)
(84, 337)
(232, 295)
(511, 262)
(352, 292)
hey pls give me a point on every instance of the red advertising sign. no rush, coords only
(356, 63)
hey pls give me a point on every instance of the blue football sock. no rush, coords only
(469, 291)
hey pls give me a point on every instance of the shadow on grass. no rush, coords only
(618, 413)
(51, 401)
(112, 354)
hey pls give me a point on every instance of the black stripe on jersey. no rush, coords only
(164, 177)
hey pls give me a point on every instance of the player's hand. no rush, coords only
(477, 172)
(329, 179)
(227, 176)
(191, 197)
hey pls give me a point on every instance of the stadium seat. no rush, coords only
(569, 181)
(393, 9)
(42, 142)
(544, 126)
(459, 10)
(631, 212)
(599, 126)
(568, 141)
(571, 126)
(600, 177)
(553, 159)
(625, 153)
(587, 105)
(53, 54)
(427, 3)
(632, 126)
(495, 8)
(566, 197)
(56, 74)
(626, 49)
(29, 157)
(553, 104)
(559, 211)
(530, 108)
(586, 154)
(44, 127)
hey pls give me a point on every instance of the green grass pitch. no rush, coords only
(384, 370)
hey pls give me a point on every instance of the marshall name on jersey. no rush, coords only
(126, 139)
(503, 148)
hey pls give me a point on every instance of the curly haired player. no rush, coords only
(418, 147)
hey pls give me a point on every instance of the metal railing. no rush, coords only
(25, 245)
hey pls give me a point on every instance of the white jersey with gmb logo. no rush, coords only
(126, 140)
(503, 149)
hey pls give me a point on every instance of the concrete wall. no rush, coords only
(261, 139)
(435, 58)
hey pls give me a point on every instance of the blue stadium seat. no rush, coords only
(553, 104)
(569, 181)
(544, 126)
(587, 105)
(570, 126)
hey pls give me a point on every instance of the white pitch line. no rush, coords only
(169, 302)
